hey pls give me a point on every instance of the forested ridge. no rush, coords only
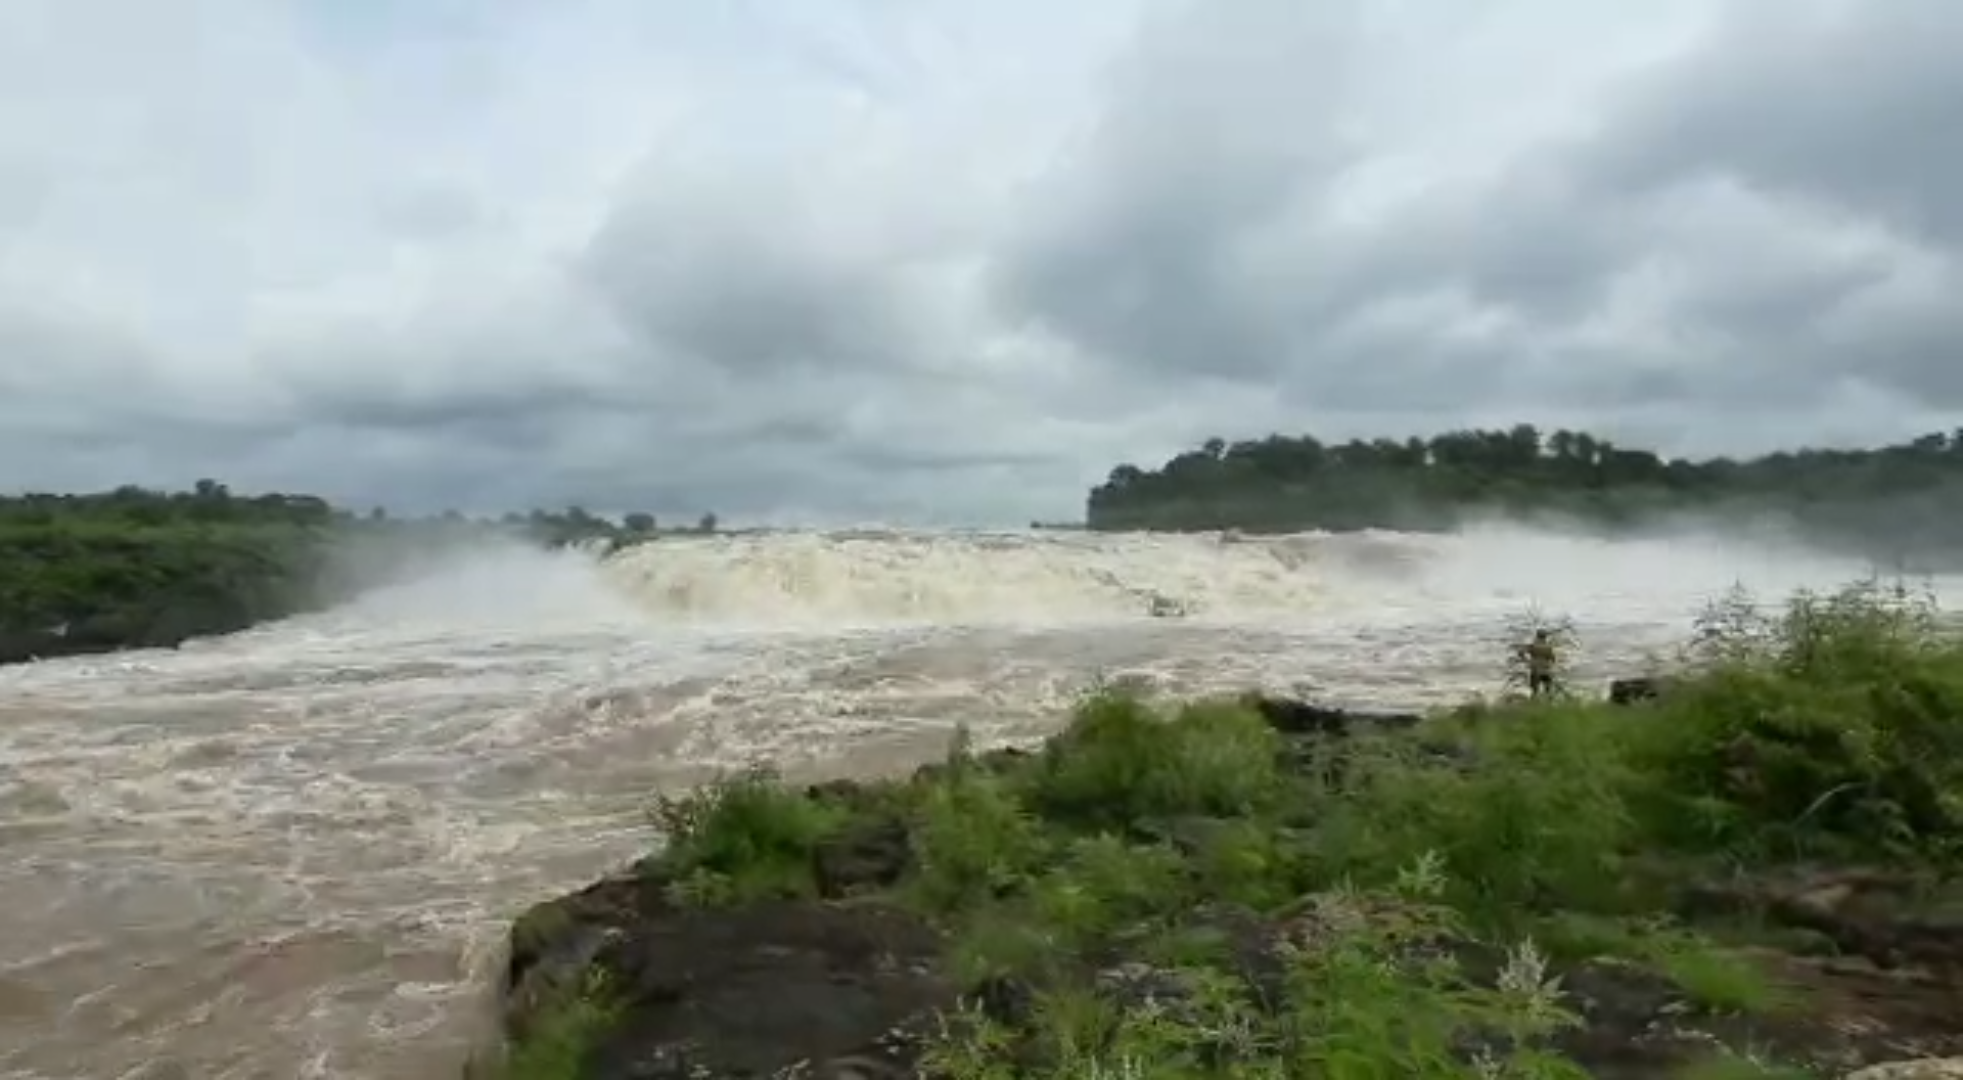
(1289, 483)
(134, 567)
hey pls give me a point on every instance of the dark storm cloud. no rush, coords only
(1222, 118)
(1857, 106)
(628, 260)
(1852, 115)
(1860, 108)
(718, 278)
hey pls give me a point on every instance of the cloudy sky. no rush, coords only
(942, 260)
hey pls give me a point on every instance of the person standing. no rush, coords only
(1540, 657)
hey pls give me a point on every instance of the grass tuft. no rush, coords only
(1183, 900)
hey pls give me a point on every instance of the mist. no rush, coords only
(477, 581)
(1913, 534)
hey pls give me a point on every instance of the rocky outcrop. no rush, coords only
(847, 990)
(833, 985)
(852, 983)
(855, 990)
(1890, 920)
(1632, 690)
(94, 634)
(1303, 719)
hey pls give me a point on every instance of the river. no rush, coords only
(293, 852)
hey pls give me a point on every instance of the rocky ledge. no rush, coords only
(1241, 889)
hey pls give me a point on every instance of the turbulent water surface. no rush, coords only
(293, 852)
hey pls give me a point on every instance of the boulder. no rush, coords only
(838, 989)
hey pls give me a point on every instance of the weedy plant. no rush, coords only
(742, 837)
(1124, 876)
(555, 1047)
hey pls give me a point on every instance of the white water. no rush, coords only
(293, 852)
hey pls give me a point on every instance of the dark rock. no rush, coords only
(845, 989)
(1882, 917)
(871, 854)
(1005, 1000)
(849, 794)
(824, 989)
(1005, 758)
(1293, 717)
(1633, 1021)
(755, 990)
(996, 761)
(1639, 688)
(854, 987)
(1317, 736)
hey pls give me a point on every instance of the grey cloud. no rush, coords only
(1857, 105)
(1862, 109)
(1754, 229)
(425, 212)
(736, 271)
(1223, 118)
(1852, 115)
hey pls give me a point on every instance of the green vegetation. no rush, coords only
(1418, 908)
(140, 568)
(554, 1047)
(135, 568)
(1285, 484)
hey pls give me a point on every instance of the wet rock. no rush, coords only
(1886, 918)
(756, 990)
(553, 946)
(1640, 688)
(848, 986)
(871, 854)
(839, 990)
(1318, 736)
(827, 989)
(1004, 999)
(1001, 760)
(1294, 717)
(849, 794)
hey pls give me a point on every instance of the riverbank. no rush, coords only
(132, 568)
(1749, 876)
(71, 589)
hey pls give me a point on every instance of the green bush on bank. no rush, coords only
(1827, 728)
(141, 568)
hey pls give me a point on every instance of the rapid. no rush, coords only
(294, 852)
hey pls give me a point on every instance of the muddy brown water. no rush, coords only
(294, 852)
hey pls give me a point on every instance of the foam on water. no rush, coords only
(293, 852)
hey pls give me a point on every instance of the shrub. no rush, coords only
(1834, 724)
(1365, 999)
(743, 837)
(1831, 725)
(973, 841)
(1536, 816)
(1120, 765)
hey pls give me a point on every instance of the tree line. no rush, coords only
(1292, 483)
(137, 567)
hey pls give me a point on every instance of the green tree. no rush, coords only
(1292, 483)
(133, 567)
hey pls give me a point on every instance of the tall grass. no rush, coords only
(1829, 726)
